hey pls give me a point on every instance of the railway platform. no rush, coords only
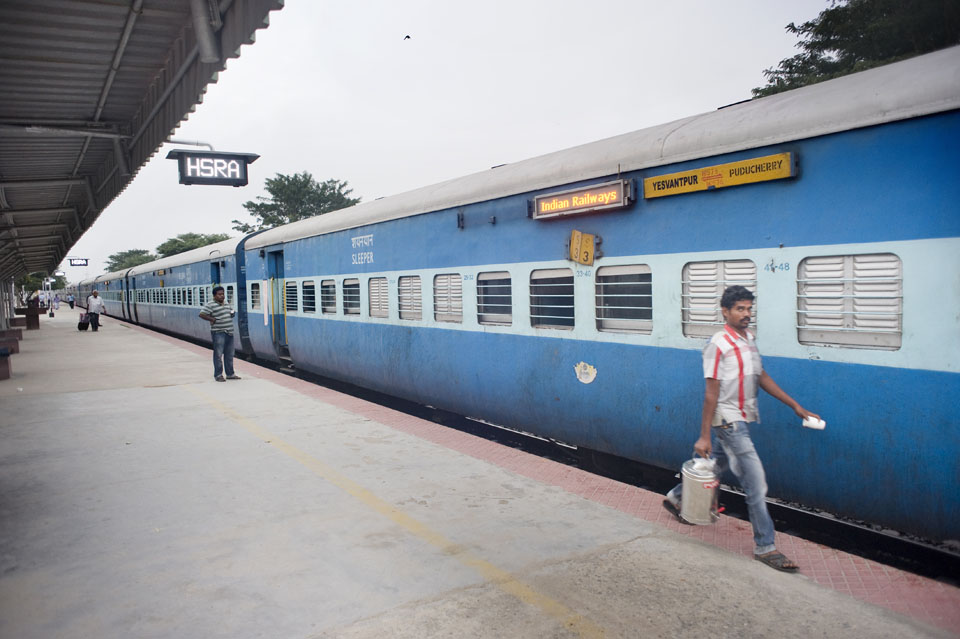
(140, 498)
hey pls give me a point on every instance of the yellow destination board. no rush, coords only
(769, 167)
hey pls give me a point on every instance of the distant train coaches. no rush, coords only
(570, 295)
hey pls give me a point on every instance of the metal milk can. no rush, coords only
(698, 501)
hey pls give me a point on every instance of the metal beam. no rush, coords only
(32, 184)
(47, 130)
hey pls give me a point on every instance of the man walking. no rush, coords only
(95, 306)
(733, 371)
(220, 317)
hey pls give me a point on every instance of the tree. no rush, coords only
(188, 241)
(855, 35)
(34, 282)
(295, 197)
(128, 259)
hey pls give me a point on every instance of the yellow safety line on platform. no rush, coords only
(501, 578)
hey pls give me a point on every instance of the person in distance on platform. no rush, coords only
(733, 371)
(70, 300)
(220, 316)
(95, 306)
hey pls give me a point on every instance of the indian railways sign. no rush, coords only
(769, 167)
(212, 167)
(602, 197)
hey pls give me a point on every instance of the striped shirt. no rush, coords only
(221, 313)
(735, 361)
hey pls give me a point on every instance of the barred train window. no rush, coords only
(290, 295)
(328, 296)
(850, 300)
(448, 298)
(494, 298)
(230, 295)
(703, 286)
(411, 298)
(551, 298)
(203, 297)
(351, 297)
(254, 296)
(309, 297)
(624, 299)
(379, 296)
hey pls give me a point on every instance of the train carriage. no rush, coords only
(570, 295)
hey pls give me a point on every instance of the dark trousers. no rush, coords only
(94, 320)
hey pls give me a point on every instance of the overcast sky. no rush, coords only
(333, 88)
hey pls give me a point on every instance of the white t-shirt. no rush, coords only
(94, 304)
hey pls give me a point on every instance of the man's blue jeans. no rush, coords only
(222, 353)
(737, 453)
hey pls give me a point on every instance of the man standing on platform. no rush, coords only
(95, 306)
(733, 371)
(220, 317)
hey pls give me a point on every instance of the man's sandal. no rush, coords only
(673, 510)
(778, 561)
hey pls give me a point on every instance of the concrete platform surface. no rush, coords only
(139, 498)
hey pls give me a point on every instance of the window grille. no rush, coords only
(494, 298)
(351, 297)
(190, 296)
(230, 295)
(551, 298)
(448, 298)
(290, 296)
(254, 296)
(703, 286)
(328, 296)
(624, 299)
(411, 298)
(850, 300)
(203, 297)
(379, 296)
(309, 297)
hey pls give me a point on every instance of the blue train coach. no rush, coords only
(570, 295)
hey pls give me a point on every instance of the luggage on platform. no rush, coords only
(84, 322)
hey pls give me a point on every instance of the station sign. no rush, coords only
(79, 261)
(600, 197)
(762, 169)
(212, 167)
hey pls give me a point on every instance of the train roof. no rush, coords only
(226, 247)
(919, 86)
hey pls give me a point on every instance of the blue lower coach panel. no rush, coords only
(645, 404)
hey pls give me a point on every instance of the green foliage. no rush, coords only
(855, 35)
(295, 197)
(34, 282)
(188, 241)
(128, 259)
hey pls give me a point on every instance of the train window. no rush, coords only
(351, 297)
(202, 295)
(190, 296)
(494, 298)
(309, 297)
(230, 295)
(448, 298)
(703, 286)
(411, 298)
(850, 300)
(624, 299)
(290, 295)
(551, 298)
(178, 294)
(254, 296)
(328, 296)
(379, 297)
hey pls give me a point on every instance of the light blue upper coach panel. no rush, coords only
(226, 248)
(919, 86)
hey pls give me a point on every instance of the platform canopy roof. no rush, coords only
(89, 91)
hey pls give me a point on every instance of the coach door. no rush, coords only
(278, 315)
